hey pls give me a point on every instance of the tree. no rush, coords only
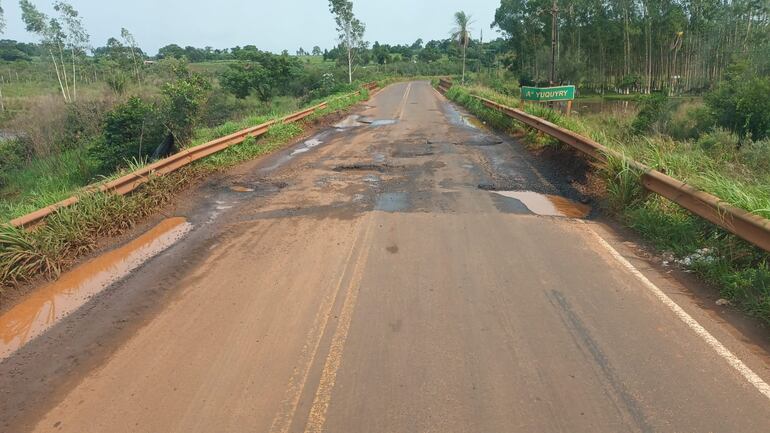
(350, 29)
(317, 50)
(2, 20)
(173, 51)
(128, 38)
(76, 38)
(51, 37)
(462, 35)
(182, 103)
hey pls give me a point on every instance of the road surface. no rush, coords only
(390, 274)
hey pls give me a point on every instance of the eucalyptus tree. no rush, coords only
(639, 45)
(351, 30)
(56, 35)
(75, 37)
(2, 19)
(129, 40)
(462, 34)
(38, 23)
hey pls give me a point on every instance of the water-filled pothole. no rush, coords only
(548, 205)
(238, 188)
(49, 304)
(382, 168)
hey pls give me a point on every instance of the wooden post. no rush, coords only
(569, 107)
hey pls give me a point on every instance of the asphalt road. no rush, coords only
(363, 281)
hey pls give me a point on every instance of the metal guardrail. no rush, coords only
(750, 227)
(444, 84)
(132, 181)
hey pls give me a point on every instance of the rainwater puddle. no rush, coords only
(238, 188)
(309, 144)
(473, 122)
(46, 306)
(355, 120)
(349, 122)
(548, 205)
(383, 122)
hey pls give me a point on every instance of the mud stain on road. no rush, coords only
(548, 205)
(51, 303)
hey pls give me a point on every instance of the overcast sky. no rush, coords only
(270, 25)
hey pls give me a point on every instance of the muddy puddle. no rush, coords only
(238, 188)
(548, 205)
(355, 120)
(307, 146)
(49, 304)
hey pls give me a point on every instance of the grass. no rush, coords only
(72, 232)
(741, 177)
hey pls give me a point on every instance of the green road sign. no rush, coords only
(561, 93)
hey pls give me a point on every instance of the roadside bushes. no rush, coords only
(182, 103)
(740, 103)
(132, 131)
(138, 130)
(653, 114)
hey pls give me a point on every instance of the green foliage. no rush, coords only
(243, 78)
(719, 143)
(653, 114)
(689, 121)
(262, 73)
(181, 105)
(131, 131)
(741, 103)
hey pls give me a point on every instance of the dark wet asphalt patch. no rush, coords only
(392, 202)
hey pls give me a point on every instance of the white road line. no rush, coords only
(718, 347)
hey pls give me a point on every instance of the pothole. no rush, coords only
(483, 141)
(547, 204)
(415, 153)
(382, 168)
(238, 188)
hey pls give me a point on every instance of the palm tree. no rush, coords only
(462, 34)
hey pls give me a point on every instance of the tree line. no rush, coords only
(636, 45)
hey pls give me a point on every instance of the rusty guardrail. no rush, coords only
(750, 227)
(444, 84)
(132, 181)
(371, 86)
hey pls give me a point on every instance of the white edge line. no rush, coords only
(718, 347)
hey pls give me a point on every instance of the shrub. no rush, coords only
(740, 103)
(182, 103)
(756, 155)
(653, 114)
(131, 131)
(689, 121)
(719, 143)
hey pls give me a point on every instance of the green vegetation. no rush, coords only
(714, 162)
(635, 46)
